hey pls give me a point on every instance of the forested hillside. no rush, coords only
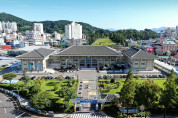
(49, 26)
(92, 33)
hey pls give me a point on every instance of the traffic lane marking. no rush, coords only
(19, 115)
(5, 110)
(17, 108)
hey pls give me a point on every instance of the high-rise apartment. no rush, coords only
(73, 31)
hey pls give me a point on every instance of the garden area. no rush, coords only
(48, 95)
(113, 85)
(104, 41)
(152, 96)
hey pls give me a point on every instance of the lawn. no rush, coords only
(116, 89)
(47, 85)
(2, 68)
(104, 41)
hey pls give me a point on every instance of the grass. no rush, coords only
(104, 41)
(159, 82)
(47, 85)
(2, 68)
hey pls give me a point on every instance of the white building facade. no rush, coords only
(8, 27)
(73, 31)
(38, 27)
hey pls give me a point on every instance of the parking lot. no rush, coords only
(88, 88)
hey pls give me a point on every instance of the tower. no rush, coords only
(38, 27)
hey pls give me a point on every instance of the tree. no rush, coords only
(169, 94)
(128, 91)
(25, 77)
(41, 100)
(148, 94)
(137, 77)
(67, 93)
(9, 76)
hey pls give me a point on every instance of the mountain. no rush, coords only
(49, 26)
(158, 30)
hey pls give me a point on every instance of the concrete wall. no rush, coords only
(142, 64)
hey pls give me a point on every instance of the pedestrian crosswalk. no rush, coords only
(87, 116)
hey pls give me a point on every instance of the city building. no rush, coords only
(73, 31)
(169, 46)
(35, 37)
(5, 47)
(164, 46)
(35, 60)
(87, 56)
(57, 36)
(38, 27)
(2, 40)
(8, 27)
(148, 49)
(139, 60)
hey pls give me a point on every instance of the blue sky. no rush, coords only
(118, 14)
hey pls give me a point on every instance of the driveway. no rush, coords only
(8, 108)
(88, 88)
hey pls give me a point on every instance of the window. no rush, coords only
(25, 68)
(142, 63)
(136, 63)
(25, 64)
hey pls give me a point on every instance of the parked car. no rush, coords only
(50, 112)
(44, 112)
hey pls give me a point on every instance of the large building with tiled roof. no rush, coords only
(35, 60)
(87, 56)
(139, 60)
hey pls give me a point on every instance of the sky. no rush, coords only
(117, 14)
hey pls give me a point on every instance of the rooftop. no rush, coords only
(136, 53)
(31, 48)
(169, 42)
(37, 53)
(89, 50)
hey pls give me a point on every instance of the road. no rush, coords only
(8, 108)
(88, 87)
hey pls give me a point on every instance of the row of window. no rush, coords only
(141, 63)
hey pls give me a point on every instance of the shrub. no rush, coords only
(106, 77)
(134, 115)
(59, 78)
(137, 77)
(112, 80)
(107, 65)
(107, 82)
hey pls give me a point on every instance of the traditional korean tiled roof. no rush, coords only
(136, 53)
(89, 50)
(37, 53)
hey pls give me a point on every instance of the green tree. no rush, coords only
(25, 77)
(67, 93)
(169, 95)
(9, 76)
(41, 100)
(148, 94)
(128, 91)
(137, 77)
